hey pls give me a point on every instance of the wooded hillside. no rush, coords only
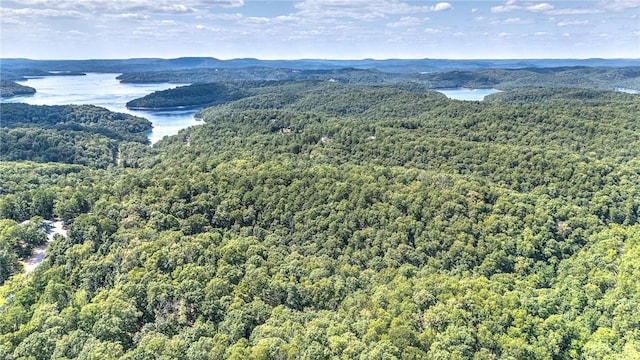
(320, 220)
(74, 134)
(10, 89)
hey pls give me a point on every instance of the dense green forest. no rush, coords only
(596, 78)
(75, 134)
(10, 89)
(219, 86)
(324, 220)
(565, 96)
(195, 95)
(17, 241)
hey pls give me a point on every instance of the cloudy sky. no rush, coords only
(337, 29)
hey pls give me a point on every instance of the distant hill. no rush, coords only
(596, 78)
(559, 95)
(209, 88)
(25, 67)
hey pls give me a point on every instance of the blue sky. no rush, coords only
(329, 29)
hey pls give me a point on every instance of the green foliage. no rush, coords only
(16, 242)
(583, 77)
(565, 96)
(76, 134)
(594, 78)
(87, 118)
(196, 95)
(321, 220)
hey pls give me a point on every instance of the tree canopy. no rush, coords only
(324, 220)
(75, 134)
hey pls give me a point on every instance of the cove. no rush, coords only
(103, 89)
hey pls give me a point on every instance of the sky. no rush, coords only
(320, 29)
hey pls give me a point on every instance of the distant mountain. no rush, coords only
(28, 67)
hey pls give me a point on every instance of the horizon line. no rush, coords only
(317, 59)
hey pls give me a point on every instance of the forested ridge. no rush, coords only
(196, 95)
(322, 220)
(213, 86)
(10, 88)
(75, 134)
(594, 78)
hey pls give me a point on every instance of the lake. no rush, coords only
(106, 91)
(467, 94)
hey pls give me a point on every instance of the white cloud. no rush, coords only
(513, 21)
(224, 3)
(572, 11)
(442, 6)
(7, 20)
(127, 16)
(620, 5)
(573, 22)
(508, 6)
(284, 19)
(407, 21)
(132, 5)
(516, 20)
(540, 7)
(176, 8)
(255, 20)
(357, 9)
(321, 28)
(512, 6)
(76, 33)
(225, 16)
(28, 12)
(207, 28)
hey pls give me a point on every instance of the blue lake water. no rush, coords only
(467, 94)
(106, 91)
